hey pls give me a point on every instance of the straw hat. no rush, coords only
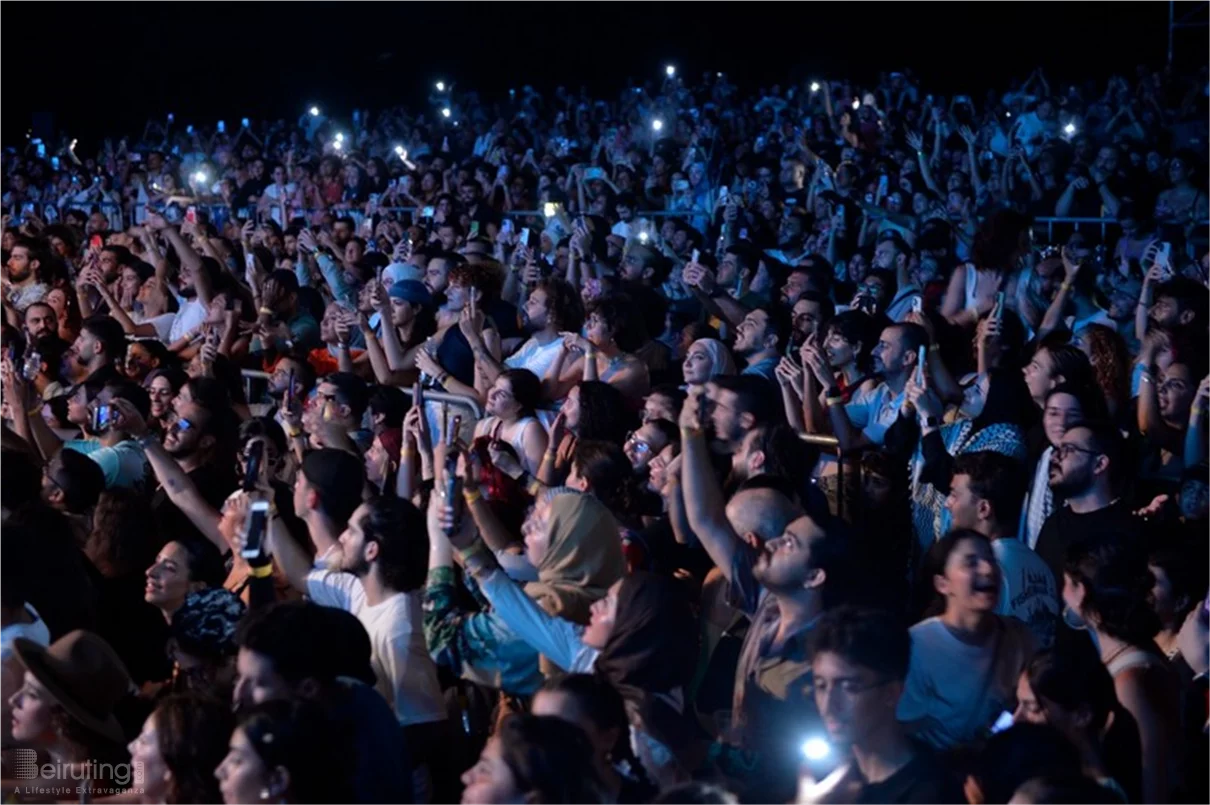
(84, 676)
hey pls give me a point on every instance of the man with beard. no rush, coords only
(553, 307)
(200, 441)
(378, 576)
(197, 278)
(21, 284)
(40, 321)
(98, 352)
(739, 403)
(772, 456)
(760, 339)
(784, 588)
(1082, 471)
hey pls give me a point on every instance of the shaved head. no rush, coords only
(763, 512)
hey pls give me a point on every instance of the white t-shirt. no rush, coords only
(162, 324)
(874, 411)
(189, 318)
(1027, 589)
(407, 677)
(954, 690)
(534, 356)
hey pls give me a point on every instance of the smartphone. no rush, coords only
(1163, 259)
(32, 365)
(222, 127)
(722, 193)
(42, 150)
(417, 394)
(252, 463)
(474, 230)
(506, 226)
(696, 254)
(593, 174)
(680, 185)
(426, 212)
(525, 237)
(1002, 722)
(921, 357)
(290, 390)
(374, 199)
(191, 214)
(54, 163)
(917, 304)
(244, 122)
(998, 308)
(254, 529)
(102, 418)
(703, 410)
(95, 243)
(882, 185)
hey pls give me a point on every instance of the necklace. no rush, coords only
(1115, 655)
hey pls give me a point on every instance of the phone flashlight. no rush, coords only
(549, 209)
(314, 111)
(643, 237)
(856, 103)
(670, 71)
(200, 177)
(815, 86)
(816, 749)
(340, 136)
(445, 112)
(400, 150)
(657, 124)
(440, 86)
(1070, 128)
(222, 126)
(336, 146)
(244, 122)
(171, 117)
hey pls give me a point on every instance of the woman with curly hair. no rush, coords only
(1107, 589)
(1111, 364)
(605, 354)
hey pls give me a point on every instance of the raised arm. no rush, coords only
(1195, 434)
(703, 497)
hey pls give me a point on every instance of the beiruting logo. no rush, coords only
(25, 766)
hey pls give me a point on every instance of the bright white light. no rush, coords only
(1008, 114)
(72, 147)
(200, 177)
(816, 748)
(815, 86)
(643, 237)
(403, 154)
(856, 103)
(399, 150)
(549, 209)
(670, 70)
(441, 86)
(336, 146)
(720, 75)
(340, 138)
(657, 124)
(1070, 128)
(314, 111)
(446, 112)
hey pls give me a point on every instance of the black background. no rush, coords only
(97, 69)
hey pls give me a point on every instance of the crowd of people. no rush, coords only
(692, 445)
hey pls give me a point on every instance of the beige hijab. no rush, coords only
(584, 557)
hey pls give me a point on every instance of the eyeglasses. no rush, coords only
(1065, 450)
(637, 443)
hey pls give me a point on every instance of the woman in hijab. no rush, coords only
(998, 429)
(642, 637)
(705, 359)
(577, 556)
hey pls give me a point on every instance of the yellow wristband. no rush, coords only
(261, 571)
(471, 495)
(834, 401)
(1065, 287)
(533, 487)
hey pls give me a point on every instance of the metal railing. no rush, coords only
(1104, 224)
(832, 444)
(469, 404)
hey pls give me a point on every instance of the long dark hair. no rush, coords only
(603, 412)
(1117, 588)
(192, 733)
(550, 759)
(120, 542)
(608, 472)
(297, 736)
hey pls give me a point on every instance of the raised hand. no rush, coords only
(914, 140)
(788, 373)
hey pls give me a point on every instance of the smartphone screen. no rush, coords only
(254, 530)
(921, 357)
(290, 390)
(252, 464)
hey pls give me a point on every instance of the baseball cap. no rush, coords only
(412, 291)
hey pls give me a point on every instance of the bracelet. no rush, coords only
(534, 486)
(264, 311)
(293, 432)
(477, 551)
(1065, 287)
(834, 401)
(441, 378)
(471, 495)
(690, 432)
(260, 571)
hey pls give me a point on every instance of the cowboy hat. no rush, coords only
(84, 676)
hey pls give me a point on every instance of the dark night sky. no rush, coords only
(279, 57)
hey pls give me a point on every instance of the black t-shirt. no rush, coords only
(924, 779)
(1064, 528)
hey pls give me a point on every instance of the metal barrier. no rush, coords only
(832, 444)
(1051, 221)
(471, 405)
